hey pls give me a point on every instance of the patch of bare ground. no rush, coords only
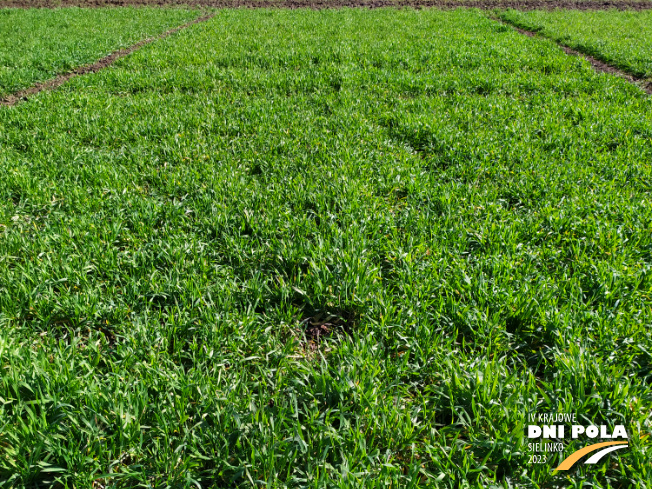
(14, 98)
(314, 327)
(598, 65)
(324, 324)
(324, 4)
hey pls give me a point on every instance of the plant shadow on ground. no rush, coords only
(531, 341)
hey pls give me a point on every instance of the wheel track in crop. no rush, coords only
(16, 97)
(597, 64)
(106, 61)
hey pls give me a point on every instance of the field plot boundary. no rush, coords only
(597, 64)
(330, 4)
(16, 97)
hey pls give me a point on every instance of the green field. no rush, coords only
(622, 39)
(36, 45)
(463, 212)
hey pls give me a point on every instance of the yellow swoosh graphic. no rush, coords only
(574, 457)
(596, 457)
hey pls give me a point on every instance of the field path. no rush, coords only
(14, 98)
(598, 65)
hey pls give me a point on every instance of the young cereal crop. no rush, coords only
(620, 38)
(342, 248)
(36, 45)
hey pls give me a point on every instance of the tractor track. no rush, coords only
(597, 64)
(24, 94)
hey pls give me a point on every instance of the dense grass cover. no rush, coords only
(467, 208)
(621, 38)
(38, 44)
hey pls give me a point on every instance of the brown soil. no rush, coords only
(323, 4)
(16, 97)
(325, 325)
(646, 85)
(599, 66)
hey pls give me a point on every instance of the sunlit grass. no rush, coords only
(464, 210)
(38, 44)
(621, 38)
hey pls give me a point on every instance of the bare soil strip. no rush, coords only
(326, 4)
(599, 66)
(14, 98)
